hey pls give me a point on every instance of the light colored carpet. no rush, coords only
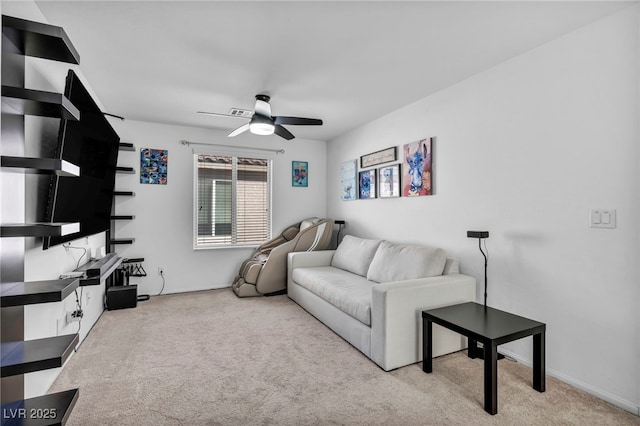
(209, 358)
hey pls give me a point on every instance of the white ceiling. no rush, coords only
(344, 62)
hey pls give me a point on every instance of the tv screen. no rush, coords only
(91, 144)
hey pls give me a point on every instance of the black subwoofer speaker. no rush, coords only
(122, 297)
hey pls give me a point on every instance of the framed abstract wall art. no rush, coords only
(348, 180)
(153, 166)
(367, 184)
(416, 174)
(389, 181)
(300, 173)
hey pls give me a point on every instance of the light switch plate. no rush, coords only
(602, 218)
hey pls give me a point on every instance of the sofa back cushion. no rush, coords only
(354, 254)
(451, 267)
(397, 262)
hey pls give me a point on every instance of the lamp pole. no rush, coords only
(480, 235)
(485, 271)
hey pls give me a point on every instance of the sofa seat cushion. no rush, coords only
(354, 254)
(397, 262)
(346, 291)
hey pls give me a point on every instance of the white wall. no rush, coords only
(524, 150)
(163, 227)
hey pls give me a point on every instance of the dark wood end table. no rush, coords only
(491, 327)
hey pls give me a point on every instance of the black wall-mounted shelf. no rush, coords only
(122, 169)
(96, 271)
(38, 229)
(127, 146)
(133, 260)
(99, 267)
(124, 193)
(35, 355)
(123, 217)
(41, 165)
(59, 405)
(34, 292)
(38, 102)
(40, 40)
(116, 241)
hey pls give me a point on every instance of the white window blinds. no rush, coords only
(232, 198)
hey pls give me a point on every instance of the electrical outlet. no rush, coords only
(160, 270)
(74, 316)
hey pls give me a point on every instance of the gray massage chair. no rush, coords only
(265, 272)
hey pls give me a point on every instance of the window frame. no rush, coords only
(235, 154)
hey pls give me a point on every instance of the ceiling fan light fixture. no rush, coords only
(261, 125)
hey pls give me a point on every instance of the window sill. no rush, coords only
(227, 246)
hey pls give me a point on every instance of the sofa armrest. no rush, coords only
(307, 259)
(310, 259)
(396, 317)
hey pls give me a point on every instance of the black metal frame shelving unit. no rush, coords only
(124, 146)
(22, 38)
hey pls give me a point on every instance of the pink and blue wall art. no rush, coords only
(416, 175)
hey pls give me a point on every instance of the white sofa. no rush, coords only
(372, 293)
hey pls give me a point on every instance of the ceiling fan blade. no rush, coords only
(299, 121)
(282, 132)
(239, 130)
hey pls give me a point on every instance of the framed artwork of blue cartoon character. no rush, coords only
(153, 166)
(300, 173)
(349, 180)
(416, 175)
(367, 185)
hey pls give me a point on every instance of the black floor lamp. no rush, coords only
(480, 235)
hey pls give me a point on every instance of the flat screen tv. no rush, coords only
(91, 144)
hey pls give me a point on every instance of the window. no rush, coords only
(232, 200)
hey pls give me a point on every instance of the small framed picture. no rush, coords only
(348, 180)
(389, 181)
(154, 166)
(367, 184)
(300, 173)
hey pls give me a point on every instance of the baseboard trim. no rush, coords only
(578, 384)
